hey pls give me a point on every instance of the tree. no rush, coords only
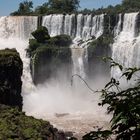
(64, 5)
(133, 4)
(41, 34)
(124, 104)
(42, 9)
(25, 8)
(86, 11)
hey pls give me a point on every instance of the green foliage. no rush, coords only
(60, 41)
(103, 40)
(42, 39)
(71, 6)
(97, 49)
(33, 45)
(41, 10)
(41, 34)
(50, 7)
(99, 46)
(46, 61)
(48, 53)
(16, 125)
(124, 104)
(126, 6)
(87, 11)
(25, 8)
(97, 135)
(10, 69)
(133, 5)
(63, 5)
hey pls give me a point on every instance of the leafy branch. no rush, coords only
(124, 104)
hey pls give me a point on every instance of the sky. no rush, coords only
(8, 6)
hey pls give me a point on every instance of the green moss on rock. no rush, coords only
(48, 59)
(10, 78)
(60, 40)
(41, 34)
(48, 54)
(15, 125)
(33, 45)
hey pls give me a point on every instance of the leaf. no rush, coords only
(116, 119)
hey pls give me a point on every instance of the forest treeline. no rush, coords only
(72, 6)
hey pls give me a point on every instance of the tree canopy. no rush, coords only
(123, 104)
(71, 6)
(58, 6)
(64, 5)
(25, 8)
(131, 4)
(42, 9)
(50, 7)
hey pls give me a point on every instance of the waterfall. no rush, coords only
(57, 96)
(125, 49)
(78, 26)
(80, 23)
(69, 25)
(14, 33)
(90, 26)
(79, 61)
(117, 29)
(81, 28)
(54, 24)
(17, 27)
(97, 26)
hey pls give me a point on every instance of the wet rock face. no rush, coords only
(98, 50)
(10, 78)
(137, 26)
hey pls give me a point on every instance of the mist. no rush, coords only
(60, 95)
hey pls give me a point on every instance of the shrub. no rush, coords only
(10, 69)
(33, 45)
(41, 34)
(15, 125)
(60, 40)
(125, 106)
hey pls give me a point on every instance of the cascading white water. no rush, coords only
(69, 25)
(14, 33)
(117, 29)
(79, 62)
(80, 26)
(90, 26)
(80, 23)
(97, 25)
(125, 49)
(87, 27)
(17, 27)
(54, 24)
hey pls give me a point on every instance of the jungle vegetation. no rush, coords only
(72, 6)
